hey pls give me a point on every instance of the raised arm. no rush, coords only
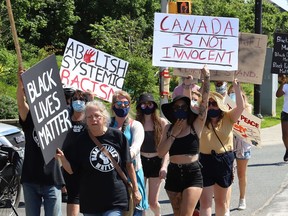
(236, 112)
(200, 120)
(23, 107)
(280, 91)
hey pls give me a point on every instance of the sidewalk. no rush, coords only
(277, 205)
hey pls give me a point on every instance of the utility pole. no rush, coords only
(163, 71)
(258, 30)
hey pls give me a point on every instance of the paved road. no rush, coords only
(267, 192)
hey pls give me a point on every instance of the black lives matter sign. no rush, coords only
(280, 54)
(45, 96)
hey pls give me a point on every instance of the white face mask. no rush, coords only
(195, 107)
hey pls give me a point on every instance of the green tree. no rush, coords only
(41, 23)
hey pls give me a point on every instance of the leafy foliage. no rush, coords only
(8, 107)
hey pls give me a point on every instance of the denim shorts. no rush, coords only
(182, 176)
(217, 169)
(284, 116)
(151, 166)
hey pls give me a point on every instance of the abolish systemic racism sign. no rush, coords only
(187, 41)
(47, 105)
(87, 68)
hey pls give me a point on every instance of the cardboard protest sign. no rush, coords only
(280, 54)
(47, 105)
(247, 127)
(184, 72)
(87, 68)
(187, 41)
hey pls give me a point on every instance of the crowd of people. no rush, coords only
(193, 149)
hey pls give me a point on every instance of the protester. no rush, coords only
(221, 87)
(180, 138)
(283, 90)
(216, 151)
(186, 83)
(78, 102)
(242, 151)
(134, 132)
(154, 168)
(102, 191)
(41, 183)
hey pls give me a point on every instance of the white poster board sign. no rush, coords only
(188, 41)
(87, 68)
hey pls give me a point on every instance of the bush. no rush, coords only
(8, 108)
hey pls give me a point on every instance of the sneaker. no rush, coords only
(242, 204)
(227, 213)
(285, 158)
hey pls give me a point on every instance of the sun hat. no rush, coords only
(167, 109)
(220, 101)
(146, 97)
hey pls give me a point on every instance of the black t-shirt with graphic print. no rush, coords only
(101, 188)
(34, 169)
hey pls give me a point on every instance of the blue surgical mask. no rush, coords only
(180, 114)
(195, 107)
(121, 112)
(221, 89)
(213, 113)
(78, 105)
(148, 111)
(233, 96)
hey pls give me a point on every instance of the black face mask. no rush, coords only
(212, 113)
(148, 111)
(180, 114)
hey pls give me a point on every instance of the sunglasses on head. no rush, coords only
(183, 107)
(213, 103)
(148, 104)
(124, 103)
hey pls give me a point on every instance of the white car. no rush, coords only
(11, 135)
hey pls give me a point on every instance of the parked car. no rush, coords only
(12, 142)
(11, 135)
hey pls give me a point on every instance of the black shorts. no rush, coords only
(284, 116)
(72, 187)
(217, 169)
(151, 166)
(182, 176)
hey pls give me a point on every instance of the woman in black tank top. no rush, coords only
(180, 138)
(154, 168)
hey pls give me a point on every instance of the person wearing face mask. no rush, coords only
(154, 168)
(242, 151)
(221, 87)
(180, 139)
(78, 104)
(134, 132)
(216, 151)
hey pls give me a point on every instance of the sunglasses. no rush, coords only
(183, 107)
(213, 103)
(148, 104)
(122, 103)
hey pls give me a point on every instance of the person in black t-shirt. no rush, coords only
(41, 183)
(102, 190)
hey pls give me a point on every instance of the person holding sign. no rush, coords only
(283, 90)
(102, 190)
(41, 182)
(154, 168)
(180, 138)
(216, 151)
(134, 132)
(242, 151)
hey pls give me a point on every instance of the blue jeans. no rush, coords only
(113, 212)
(35, 194)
